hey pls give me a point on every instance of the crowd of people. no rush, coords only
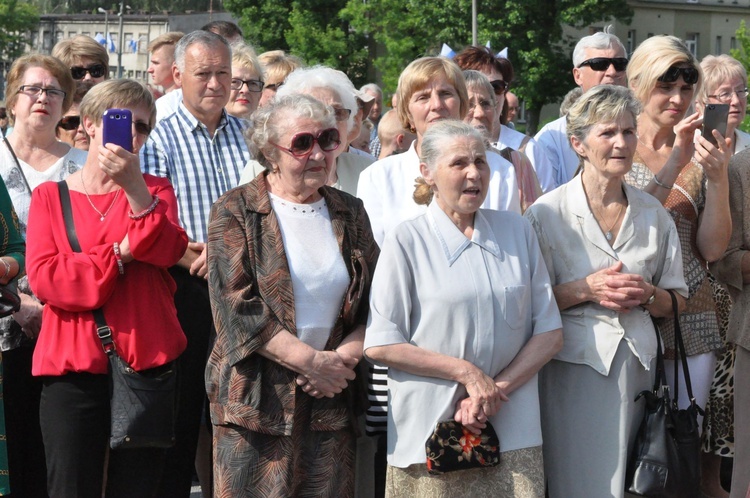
(316, 267)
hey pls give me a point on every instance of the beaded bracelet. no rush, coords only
(7, 268)
(118, 257)
(660, 184)
(147, 211)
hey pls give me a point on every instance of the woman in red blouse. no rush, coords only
(128, 230)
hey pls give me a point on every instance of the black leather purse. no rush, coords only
(9, 300)
(665, 460)
(143, 404)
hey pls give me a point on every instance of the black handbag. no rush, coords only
(665, 459)
(452, 447)
(9, 300)
(143, 404)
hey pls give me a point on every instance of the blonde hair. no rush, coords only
(716, 70)
(244, 56)
(418, 74)
(122, 93)
(50, 64)
(653, 58)
(170, 38)
(72, 50)
(277, 64)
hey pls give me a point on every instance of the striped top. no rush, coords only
(200, 167)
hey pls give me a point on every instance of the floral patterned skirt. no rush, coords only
(520, 474)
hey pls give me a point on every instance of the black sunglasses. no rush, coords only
(603, 63)
(689, 75)
(303, 143)
(142, 128)
(95, 70)
(499, 86)
(69, 123)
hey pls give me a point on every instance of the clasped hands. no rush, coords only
(327, 374)
(484, 400)
(618, 291)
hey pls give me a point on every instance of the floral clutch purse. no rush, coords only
(453, 447)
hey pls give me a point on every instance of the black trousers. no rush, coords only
(21, 394)
(75, 420)
(194, 314)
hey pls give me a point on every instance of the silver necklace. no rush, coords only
(105, 213)
(608, 233)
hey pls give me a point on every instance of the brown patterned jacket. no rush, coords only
(252, 300)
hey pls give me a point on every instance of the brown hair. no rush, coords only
(482, 59)
(46, 62)
(72, 50)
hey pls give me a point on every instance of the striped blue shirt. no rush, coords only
(200, 167)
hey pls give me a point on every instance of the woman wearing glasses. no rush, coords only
(284, 250)
(247, 82)
(87, 59)
(39, 90)
(689, 176)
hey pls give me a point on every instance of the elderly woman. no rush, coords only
(87, 59)
(129, 234)
(689, 176)
(457, 344)
(39, 90)
(247, 82)
(612, 253)
(332, 88)
(277, 65)
(70, 128)
(725, 82)
(283, 251)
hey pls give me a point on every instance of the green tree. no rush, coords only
(742, 54)
(16, 20)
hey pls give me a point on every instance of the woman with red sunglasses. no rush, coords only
(689, 176)
(289, 263)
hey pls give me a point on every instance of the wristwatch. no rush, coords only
(651, 299)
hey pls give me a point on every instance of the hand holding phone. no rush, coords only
(715, 118)
(117, 128)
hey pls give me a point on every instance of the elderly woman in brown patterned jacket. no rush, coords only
(288, 257)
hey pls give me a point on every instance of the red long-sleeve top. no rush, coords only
(138, 306)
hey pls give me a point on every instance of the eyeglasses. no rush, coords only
(303, 143)
(341, 113)
(603, 63)
(95, 70)
(689, 75)
(69, 123)
(252, 85)
(726, 97)
(499, 86)
(141, 128)
(273, 86)
(485, 105)
(36, 91)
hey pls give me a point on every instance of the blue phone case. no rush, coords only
(117, 125)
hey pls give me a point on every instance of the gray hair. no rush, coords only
(269, 122)
(305, 79)
(601, 104)
(436, 140)
(372, 87)
(476, 79)
(204, 38)
(602, 40)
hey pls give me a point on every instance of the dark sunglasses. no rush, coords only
(95, 70)
(499, 86)
(142, 128)
(69, 123)
(603, 63)
(689, 75)
(303, 143)
(3, 115)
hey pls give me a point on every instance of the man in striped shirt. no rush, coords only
(201, 149)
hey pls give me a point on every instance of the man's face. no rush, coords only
(587, 78)
(160, 68)
(377, 106)
(205, 80)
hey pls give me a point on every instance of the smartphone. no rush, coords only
(715, 118)
(117, 125)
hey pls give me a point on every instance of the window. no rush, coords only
(86, 33)
(142, 43)
(631, 41)
(717, 47)
(138, 74)
(691, 42)
(71, 34)
(59, 35)
(733, 43)
(47, 41)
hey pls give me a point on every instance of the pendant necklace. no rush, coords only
(105, 213)
(608, 233)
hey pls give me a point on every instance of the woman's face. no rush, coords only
(243, 102)
(436, 101)
(141, 116)
(332, 98)
(75, 137)
(481, 113)
(609, 147)
(40, 110)
(737, 104)
(303, 174)
(85, 62)
(668, 102)
(461, 177)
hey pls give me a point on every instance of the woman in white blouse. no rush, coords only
(463, 315)
(611, 251)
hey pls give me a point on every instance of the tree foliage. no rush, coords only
(742, 54)
(16, 19)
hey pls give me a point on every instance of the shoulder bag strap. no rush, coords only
(681, 354)
(102, 329)
(18, 163)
